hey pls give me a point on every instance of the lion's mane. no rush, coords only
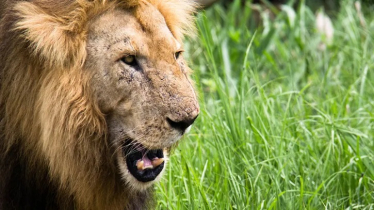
(53, 148)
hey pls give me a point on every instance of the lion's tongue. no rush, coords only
(147, 163)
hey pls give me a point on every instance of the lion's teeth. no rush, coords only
(140, 165)
(157, 162)
(148, 167)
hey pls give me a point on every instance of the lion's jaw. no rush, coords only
(149, 102)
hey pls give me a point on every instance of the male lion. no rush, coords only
(93, 93)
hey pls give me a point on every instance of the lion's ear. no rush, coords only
(55, 39)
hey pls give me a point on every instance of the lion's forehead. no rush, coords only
(122, 31)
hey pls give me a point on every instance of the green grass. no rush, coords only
(284, 124)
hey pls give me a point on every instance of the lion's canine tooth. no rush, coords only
(140, 165)
(157, 162)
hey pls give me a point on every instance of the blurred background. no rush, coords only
(327, 4)
(287, 110)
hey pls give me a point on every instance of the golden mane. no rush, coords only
(46, 105)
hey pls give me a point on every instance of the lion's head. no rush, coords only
(94, 93)
(140, 82)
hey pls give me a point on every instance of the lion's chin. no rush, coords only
(141, 167)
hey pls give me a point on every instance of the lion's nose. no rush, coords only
(181, 125)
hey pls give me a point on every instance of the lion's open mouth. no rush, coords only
(145, 165)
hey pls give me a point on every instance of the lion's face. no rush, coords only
(140, 82)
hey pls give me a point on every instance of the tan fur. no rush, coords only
(65, 107)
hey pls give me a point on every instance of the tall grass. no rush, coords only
(285, 123)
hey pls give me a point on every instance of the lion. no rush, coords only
(93, 95)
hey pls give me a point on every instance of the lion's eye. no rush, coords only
(129, 60)
(177, 54)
